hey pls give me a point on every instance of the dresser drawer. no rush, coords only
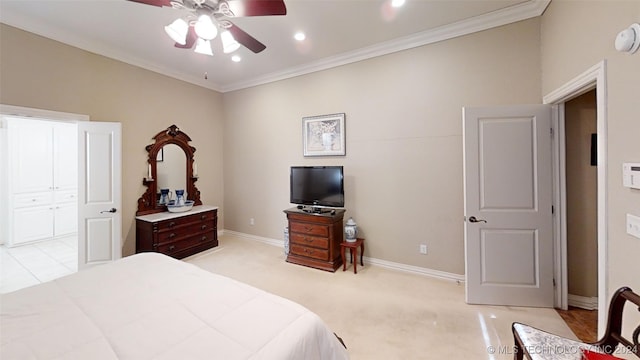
(178, 235)
(185, 231)
(311, 229)
(307, 240)
(310, 252)
(186, 243)
(32, 199)
(66, 196)
(182, 221)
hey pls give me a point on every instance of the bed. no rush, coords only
(151, 306)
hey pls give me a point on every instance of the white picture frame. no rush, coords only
(324, 135)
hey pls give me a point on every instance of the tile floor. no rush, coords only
(32, 264)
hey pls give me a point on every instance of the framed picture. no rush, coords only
(324, 135)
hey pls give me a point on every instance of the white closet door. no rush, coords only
(65, 145)
(66, 219)
(32, 163)
(31, 224)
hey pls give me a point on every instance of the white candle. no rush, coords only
(149, 175)
(195, 169)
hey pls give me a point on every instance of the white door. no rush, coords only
(31, 142)
(508, 199)
(99, 193)
(65, 219)
(32, 223)
(65, 143)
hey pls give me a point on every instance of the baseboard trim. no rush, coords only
(443, 275)
(264, 240)
(583, 302)
(373, 261)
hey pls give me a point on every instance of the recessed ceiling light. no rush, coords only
(299, 36)
(236, 58)
(397, 3)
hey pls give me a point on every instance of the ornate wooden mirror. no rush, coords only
(171, 167)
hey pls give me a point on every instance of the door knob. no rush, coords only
(474, 220)
(112, 210)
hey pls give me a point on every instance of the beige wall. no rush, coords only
(40, 73)
(575, 36)
(582, 200)
(403, 168)
(404, 139)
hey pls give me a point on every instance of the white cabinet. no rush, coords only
(32, 223)
(65, 219)
(65, 157)
(42, 158)
(30, 156)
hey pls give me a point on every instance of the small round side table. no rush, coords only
(353, 252)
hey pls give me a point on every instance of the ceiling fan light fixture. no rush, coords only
(177, 31)
(203, 47)
(229, 44)
(205, 28)
(397, 3)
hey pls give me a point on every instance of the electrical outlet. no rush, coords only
(252, 221)
(423, 249)
(633, 225)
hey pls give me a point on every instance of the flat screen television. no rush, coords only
(317, 186)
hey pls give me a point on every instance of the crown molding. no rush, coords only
(526, 10)
(96, 47)
(522, 11)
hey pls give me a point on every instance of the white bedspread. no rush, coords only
(151, 306)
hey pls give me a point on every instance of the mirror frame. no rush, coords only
(147, 204)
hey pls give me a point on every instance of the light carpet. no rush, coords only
(382, 313)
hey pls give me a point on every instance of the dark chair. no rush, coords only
(537, 344)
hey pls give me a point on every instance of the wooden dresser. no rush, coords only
(178, 234)
(314, 239)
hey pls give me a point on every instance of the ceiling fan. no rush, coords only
(205, 17)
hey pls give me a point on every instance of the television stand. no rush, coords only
(314, 238)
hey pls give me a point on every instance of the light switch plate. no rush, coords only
(633, 225)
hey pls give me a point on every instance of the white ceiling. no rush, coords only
(338, 32)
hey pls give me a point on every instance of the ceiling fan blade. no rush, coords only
(246, 40)
(191, 39)
(153, 2)
(257, 7)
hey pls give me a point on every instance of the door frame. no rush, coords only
(593, 78)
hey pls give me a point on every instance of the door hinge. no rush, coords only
(554, 282)
(551, 132)
(553, 210)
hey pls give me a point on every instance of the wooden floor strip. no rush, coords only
(583, 323)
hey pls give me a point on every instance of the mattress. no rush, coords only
(151, 306)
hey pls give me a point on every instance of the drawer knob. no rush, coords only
(308, 229)
(172, 224)
(172, 235)
(204, 238)
(202, 217)
(172, 247)
(308, 239)
(203, 227)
